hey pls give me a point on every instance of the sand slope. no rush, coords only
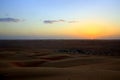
(77, 68)
(59, 74)
(58, 60)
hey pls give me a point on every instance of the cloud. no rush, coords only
(60, 20)
(50, 21)
(10, 20)
(53, 21)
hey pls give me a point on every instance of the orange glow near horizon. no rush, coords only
(95, 30)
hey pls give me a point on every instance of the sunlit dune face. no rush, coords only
(93, 30)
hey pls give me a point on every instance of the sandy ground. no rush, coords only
(60, 67)
(60, 60)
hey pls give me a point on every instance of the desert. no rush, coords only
(59, 60)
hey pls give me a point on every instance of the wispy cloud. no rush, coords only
(10, 20)
(49, 21)
(53, 21)
(60, 20)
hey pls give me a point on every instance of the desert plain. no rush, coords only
(60, 60)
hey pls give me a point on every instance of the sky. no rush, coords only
(59, 19)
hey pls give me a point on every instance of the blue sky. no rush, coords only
(28, 18)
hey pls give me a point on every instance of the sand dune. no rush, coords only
(60, 73)
(77, 68)
(73, 62)
(45, 63)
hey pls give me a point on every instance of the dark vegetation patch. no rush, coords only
(71, 51)
(93, 51)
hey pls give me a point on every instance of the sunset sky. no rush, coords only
(59, 19)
